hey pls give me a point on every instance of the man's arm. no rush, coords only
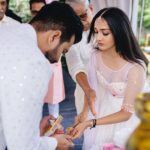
(82, 80)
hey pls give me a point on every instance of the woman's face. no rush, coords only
(103, 35)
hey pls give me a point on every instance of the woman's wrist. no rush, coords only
(91, 123)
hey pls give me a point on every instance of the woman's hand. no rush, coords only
(79, 129)
(81, 117)
(64, 141)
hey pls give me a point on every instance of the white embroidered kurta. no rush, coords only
(24, 77)
(77, 61)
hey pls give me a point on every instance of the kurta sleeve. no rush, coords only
(22, 94)
(135, 85)
(74, 61)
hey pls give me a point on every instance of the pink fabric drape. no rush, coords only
(56, 92)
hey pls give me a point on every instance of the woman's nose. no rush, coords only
(99, 37)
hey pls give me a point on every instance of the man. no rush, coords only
(25, 73)
(55, 94)
(5, 20)
(78, 56)
(35, 6)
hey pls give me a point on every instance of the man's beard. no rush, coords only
(52, 55)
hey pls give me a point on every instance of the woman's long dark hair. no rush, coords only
(125, 41)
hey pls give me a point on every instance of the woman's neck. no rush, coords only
(112, 54)
(112, 59)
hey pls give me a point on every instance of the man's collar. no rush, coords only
(5, 19)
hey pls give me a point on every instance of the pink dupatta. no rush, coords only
(56, 92)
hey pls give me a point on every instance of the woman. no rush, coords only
(117, 73)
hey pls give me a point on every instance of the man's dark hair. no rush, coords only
(36, 1)
(59, 16)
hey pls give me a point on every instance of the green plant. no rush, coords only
(21, 8)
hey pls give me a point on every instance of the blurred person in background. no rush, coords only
(5, 20)
(35, 6)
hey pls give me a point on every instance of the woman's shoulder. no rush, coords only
(140, 65)
(137, 68)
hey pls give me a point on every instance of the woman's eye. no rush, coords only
(105, 34)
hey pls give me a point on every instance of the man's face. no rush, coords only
(84, 14)
(3, 6)
(35, 8)
(61, 48)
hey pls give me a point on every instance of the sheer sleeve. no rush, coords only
(135, 84)
(92, 78)
(21, 106)
(74, 61)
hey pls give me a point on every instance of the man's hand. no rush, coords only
(44, 124)
(90, 97)
(64, 141)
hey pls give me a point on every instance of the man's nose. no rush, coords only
(1, 8)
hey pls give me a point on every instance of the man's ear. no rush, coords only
(54, 34)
